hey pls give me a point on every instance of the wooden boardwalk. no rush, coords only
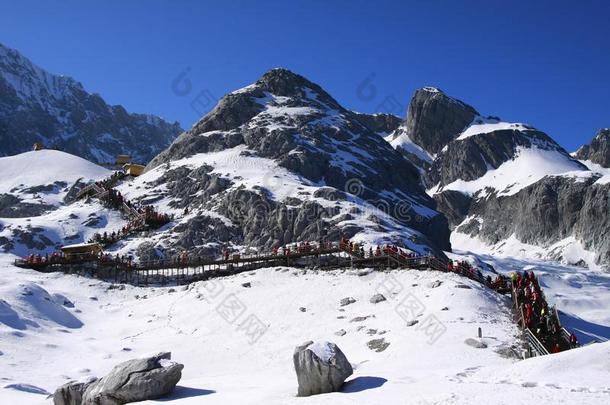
(187, 270)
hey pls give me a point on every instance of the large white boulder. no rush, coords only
(321, 367)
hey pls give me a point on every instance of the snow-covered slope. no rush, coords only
(37, 106)
(43, 348)
(484, 125)
(43, 168)
(34, 216)
(528, 166)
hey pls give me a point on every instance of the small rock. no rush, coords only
(377, 298)
(248, 285)
(341, 317)
(361, 318)
(302, 309)
(93, 298)
(444, 309)
(463, 286)
(347, 301)
(171, 290)
(371, 331)
(340, 332)
(411, 323)
(435, 284)
(378, 345)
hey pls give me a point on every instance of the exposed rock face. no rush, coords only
(435, 119)
(135, 380)
(36, 106)
(455, 205)
(380, 123)
(320, 367)
(13, 207)
(545, 213)
(344, 177)
(598, 151)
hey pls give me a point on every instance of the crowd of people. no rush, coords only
(55, 257)
(111, 181)
(535, 314)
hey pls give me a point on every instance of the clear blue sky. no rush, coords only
(542, 62)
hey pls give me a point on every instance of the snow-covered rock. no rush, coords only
(321, 367)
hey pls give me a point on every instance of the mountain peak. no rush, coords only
(285, 83)
(598, 151)
(434, 119)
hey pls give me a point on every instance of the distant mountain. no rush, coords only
(506, 183)
(37, 106)
(598, 151)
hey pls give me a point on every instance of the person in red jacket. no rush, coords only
(556, 348)
(573, 340)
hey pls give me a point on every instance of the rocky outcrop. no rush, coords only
(380, 123)
(545, 213)
(598, 151)
(435, 119)
(135, 380)
(36, 106)
(320, 367)
(13, 207)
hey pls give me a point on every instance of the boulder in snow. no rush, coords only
(377, 298)
(378, 345)
(346, 301)
(135, 380)
(321, 367)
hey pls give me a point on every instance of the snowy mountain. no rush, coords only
(281, 161)
(499, 181)
(37, 106)
(598, 151)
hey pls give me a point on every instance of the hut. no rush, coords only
(82, 250)
(122, 159)
(132, 169)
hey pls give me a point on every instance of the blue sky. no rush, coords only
(546, 63)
